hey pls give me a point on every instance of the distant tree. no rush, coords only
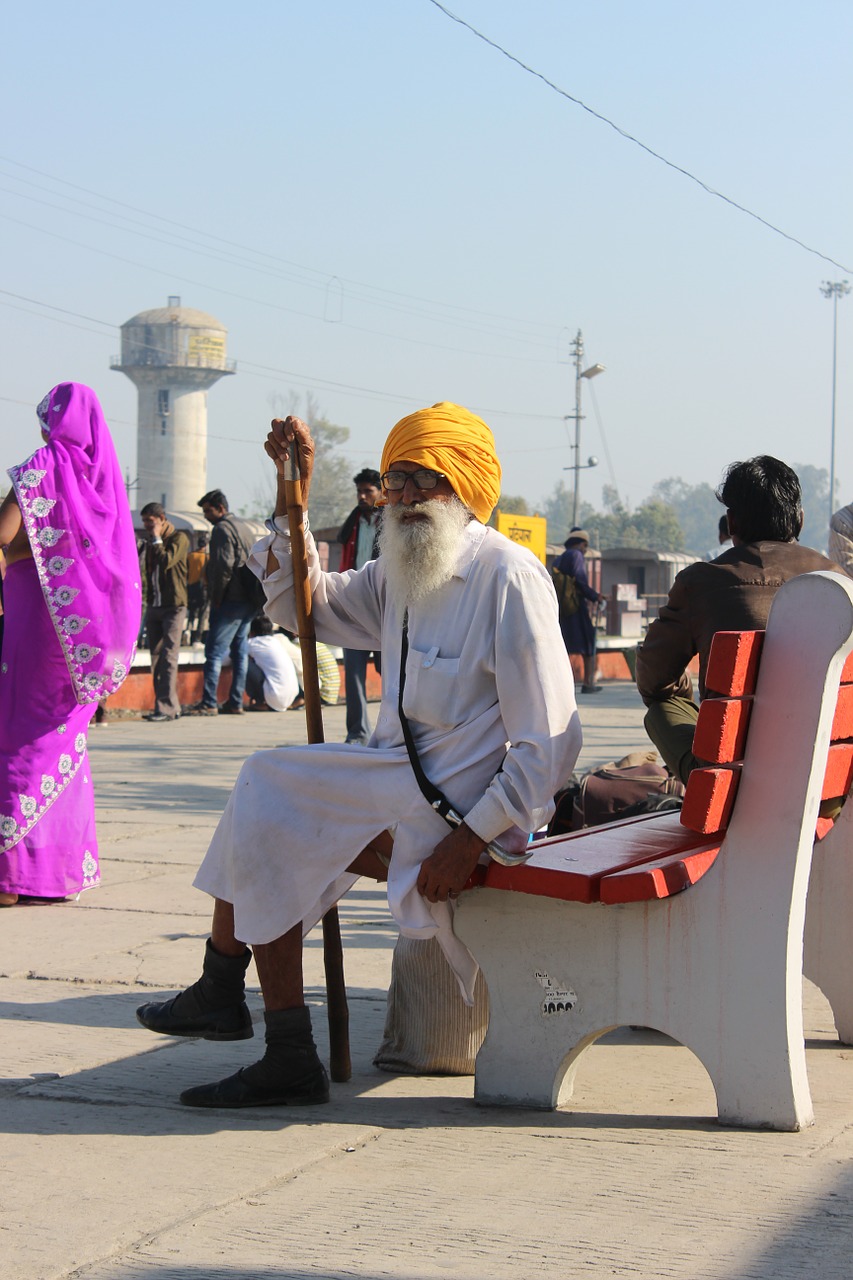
(510, 504)
(557, 510)
(613, 527)
(697, 510)
(658, 526)
(332, 491)
(653, 525)
(814, 482)
(513, 504)
(610, 498)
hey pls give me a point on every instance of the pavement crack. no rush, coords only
(337, 1151)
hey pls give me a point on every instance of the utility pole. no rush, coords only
(835, 290)
(592, 372)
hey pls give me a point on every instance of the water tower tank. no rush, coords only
(172, 354)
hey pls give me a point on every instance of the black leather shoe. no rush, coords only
(158, 718)
(236, 1091)
(231, 1023)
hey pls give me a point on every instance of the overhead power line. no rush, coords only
(312, 276)
(309, 315)
(629, 137)
(250, 367)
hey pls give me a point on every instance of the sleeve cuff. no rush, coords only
(487, 819)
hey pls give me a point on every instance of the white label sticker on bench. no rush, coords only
(558, 998)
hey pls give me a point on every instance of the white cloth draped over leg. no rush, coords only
(297, 818)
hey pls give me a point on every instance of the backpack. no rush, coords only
(568, 595)
(623, 789)
(251, 587)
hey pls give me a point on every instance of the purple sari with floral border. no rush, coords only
(72, 618)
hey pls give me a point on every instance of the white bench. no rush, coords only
(695, 930)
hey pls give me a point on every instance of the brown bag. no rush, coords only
(633, 785)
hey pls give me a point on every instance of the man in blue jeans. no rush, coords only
(231, 610)
(360, 539)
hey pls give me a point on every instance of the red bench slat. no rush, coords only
(709, 798)
(662, 879)
(839, 771)
(847, 670)
(733, 662)
(842, 723)
(572, 868)
(721, 729)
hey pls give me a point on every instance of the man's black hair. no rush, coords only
(154, 509)
(764, 498)
(368, 476)
(261, 625)
(216, 498)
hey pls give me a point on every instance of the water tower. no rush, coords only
(173, 355)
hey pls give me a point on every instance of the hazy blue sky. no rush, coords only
(386, 212)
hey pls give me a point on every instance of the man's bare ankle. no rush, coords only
(228, 947)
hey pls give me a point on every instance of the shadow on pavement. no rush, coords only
(138, 1095)
(117, 1009)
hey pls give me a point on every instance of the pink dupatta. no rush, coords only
(78, 522)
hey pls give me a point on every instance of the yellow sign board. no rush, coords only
(529, 531)
(206, 349)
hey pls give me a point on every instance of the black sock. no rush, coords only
(222, 983)
(291, 1054)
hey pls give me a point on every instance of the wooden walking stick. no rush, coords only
(333, 955)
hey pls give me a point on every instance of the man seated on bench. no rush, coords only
(490, 700)
(763, 504)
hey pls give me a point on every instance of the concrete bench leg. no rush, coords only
(537, 1027)
(828, 955)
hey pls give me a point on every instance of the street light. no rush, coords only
(577, 466)
(835, 290)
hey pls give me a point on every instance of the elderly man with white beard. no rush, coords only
(469, 622)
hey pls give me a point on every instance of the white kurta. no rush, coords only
(490, 698)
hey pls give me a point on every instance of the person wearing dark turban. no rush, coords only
(467, 623)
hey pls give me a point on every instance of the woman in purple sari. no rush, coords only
(72, 610)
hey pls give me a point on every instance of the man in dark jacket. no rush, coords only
(231, 609)
(360, 538)
(164, 574)
(732, 593)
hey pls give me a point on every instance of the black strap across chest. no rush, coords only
(436, 798)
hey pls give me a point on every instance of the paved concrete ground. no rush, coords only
(105, 1176)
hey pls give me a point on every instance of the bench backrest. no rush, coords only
(723, 726)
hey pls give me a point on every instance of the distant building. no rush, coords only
(173, 355)
(651, 572)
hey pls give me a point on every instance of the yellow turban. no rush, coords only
(450, 439)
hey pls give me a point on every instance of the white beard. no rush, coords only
(420, 555)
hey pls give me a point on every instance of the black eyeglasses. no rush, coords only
(394, 481)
